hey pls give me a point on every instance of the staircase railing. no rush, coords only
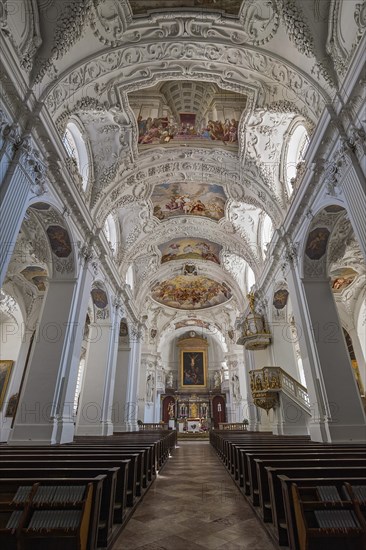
(267, 383)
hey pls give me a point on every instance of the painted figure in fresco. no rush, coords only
(341, 283)
(317, 243)
(193, 374)
(163, 130)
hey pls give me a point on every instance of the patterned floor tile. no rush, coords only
(194, 505)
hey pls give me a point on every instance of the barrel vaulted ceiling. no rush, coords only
(186, 108)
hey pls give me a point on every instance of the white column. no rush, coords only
(353, 186)
(360, 358)
(120, 388)
(67, 379)
(250, 410)
(126, 385)
(14, 200)
(318, 424)
(26, 336)
(35, 420)
(91, 403)
(132, 386)
(107, 408)
(346, 418)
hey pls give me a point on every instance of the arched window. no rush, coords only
(266, 233)
(296, 148)
(111, 232)
(129, 277)
(250, 278)
(75, 146)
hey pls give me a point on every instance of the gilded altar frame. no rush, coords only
(193, 363)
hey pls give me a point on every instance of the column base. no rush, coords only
(129, 426)
(347, 434)
(64, 431)
(5, 434)
(32, 434)
(120, 428)
(286, 429)
(103, 428)
(126, 427)
(319, 432)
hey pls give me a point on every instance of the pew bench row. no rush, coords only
(120, 469)
(260, 463)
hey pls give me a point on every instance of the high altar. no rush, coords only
(190, 407)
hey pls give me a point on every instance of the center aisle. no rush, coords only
(194, 504)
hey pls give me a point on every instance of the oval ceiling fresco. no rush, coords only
(191, 199)
(190, 249)
(190, 292)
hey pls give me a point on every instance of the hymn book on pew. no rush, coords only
(14, 519)
(336, 519)
(59, 494)
(359, 492)
(55, 519)
(22, 494)
(328, 493)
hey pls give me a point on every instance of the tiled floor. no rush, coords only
(192, 505)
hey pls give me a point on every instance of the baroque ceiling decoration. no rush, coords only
(187, 108)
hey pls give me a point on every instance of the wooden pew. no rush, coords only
(287, 495)
(123, 451)
(53, 462)
(277, 503)
(259, 488)
(249, 458)
(145, 453)
(9, 487)
(245, 465)
(319, 522)
(110, 501)
(135, 467)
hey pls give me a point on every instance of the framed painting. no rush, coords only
(5, 371)
(193, 368)
(12, 406)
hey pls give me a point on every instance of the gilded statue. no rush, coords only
(171, 409)
(251, 298)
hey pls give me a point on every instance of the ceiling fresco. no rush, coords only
(190, 249)
(316, 245)
(36, 275)
(193, 113)
(342, 278)
(99, 298)
(207, 93)
(192, 323)
(280, 298)
(190, 292)
(140, 7)
(60, 241)
(193, 199)
(186, 129)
